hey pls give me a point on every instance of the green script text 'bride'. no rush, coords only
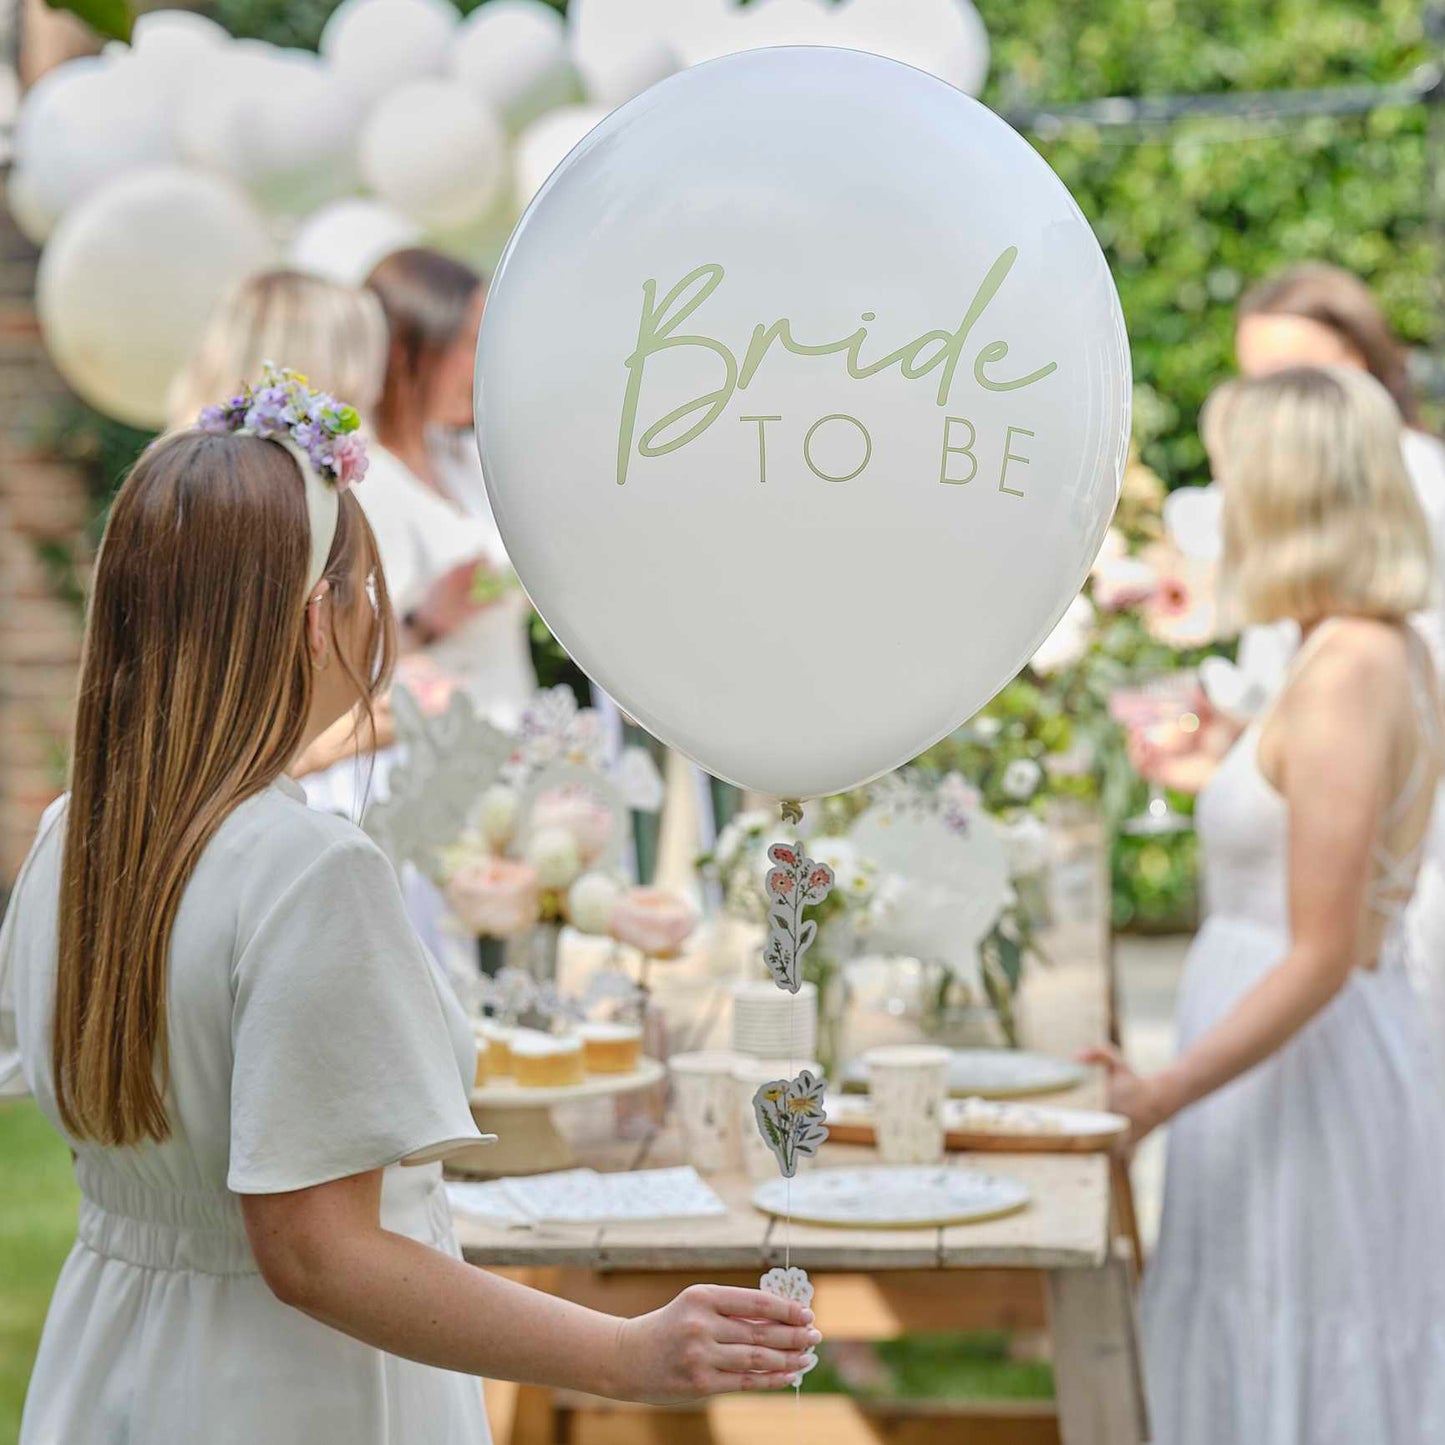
(933, 351)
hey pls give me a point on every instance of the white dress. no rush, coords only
(309, 1040)
(1297, 1293)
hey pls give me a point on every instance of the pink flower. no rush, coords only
(580, 813)
(497, 897)
(652, 921)
(781, 853)
(1123, 582)
(820, 877)
(1181, 610)
(780, 881)
(348, 455)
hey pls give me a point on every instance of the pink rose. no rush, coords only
(652, 921)
(577, 812)
(348, 455)
(497, 897)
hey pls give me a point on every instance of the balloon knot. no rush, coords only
(792, 810)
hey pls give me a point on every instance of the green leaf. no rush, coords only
(111, 18)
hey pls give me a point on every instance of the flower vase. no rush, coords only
(832, 981)
(955, 1016)
(535, 952)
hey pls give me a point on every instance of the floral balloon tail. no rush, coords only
(794, 882)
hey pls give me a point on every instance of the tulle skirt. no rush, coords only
(1297, 1294)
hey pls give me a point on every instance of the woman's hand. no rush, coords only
(449, 602)
(1138, 1097)
(712, 1339)
(1180, 754)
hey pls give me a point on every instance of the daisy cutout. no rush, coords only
(792, 1283)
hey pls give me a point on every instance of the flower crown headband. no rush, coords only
(319, 431)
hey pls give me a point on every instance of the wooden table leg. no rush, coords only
(1098, 1375)
(1126, 1218)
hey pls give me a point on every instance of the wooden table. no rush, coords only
(1059, 1264)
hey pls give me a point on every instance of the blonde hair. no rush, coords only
(335, 335)
(1320, 517)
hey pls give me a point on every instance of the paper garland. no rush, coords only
(794, 882)
(791, 1118)
(792, 1283)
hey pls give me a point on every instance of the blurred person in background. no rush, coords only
(1319, 315)
(424, 418)
(1297, 1293)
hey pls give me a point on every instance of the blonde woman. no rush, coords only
(1297, 1296)
(213, 993)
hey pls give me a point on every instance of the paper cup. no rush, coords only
(759, 1161)
(908, 1084)
(703, 1094)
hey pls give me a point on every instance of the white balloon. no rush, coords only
(621, 47)
(512, 55)
(947, 38)
(170, 43)
(733, 29)
(434, 153)
(376, 45)
(344, 241)
(817, 564)
(34, 221)
(128, 279)
(281, 122)
(86, 122)
(543, 146)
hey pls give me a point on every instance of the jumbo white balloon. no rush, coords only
(807, 448)
(434, 153)
(281, 122)
(512, 55)
(129, 277)
(345, 240)
(543, 146)
(87, 122)
(170, 44)
(620, 47)
(376, 45)
(947, 38)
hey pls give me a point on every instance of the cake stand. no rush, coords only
(528, 1141)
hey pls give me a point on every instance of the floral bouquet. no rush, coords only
(544, 845)
(791, 1117)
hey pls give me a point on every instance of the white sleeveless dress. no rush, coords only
(1297, 1293)
(309, 1040)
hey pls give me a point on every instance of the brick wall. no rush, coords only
(40, 501)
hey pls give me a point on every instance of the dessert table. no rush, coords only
(1063, 1264)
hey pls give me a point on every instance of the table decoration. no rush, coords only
(908, 1084)
(995, 1126)
(993, 1074)
(702, 1094)
(914, 1197)
(585, 1196)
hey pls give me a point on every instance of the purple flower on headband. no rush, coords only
(349, 454)
(284, 408)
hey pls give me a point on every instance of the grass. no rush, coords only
(37, 1227)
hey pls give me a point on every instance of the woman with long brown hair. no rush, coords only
(215, 997)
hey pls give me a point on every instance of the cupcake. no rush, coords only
(546, 1061)
(498, 1040)
(484, 1049)
(610, 1048)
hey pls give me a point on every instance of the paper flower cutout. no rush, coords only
(794, 882)
(792, 1283)
(791, 1118)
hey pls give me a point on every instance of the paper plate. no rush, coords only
(994, 1074)
(913, 1197)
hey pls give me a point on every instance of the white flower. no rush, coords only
(1194, 520)
(553, 853)
(1026, 843)
(1021, 779)
(590, 902)
(497, 815)
(1069, 640)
